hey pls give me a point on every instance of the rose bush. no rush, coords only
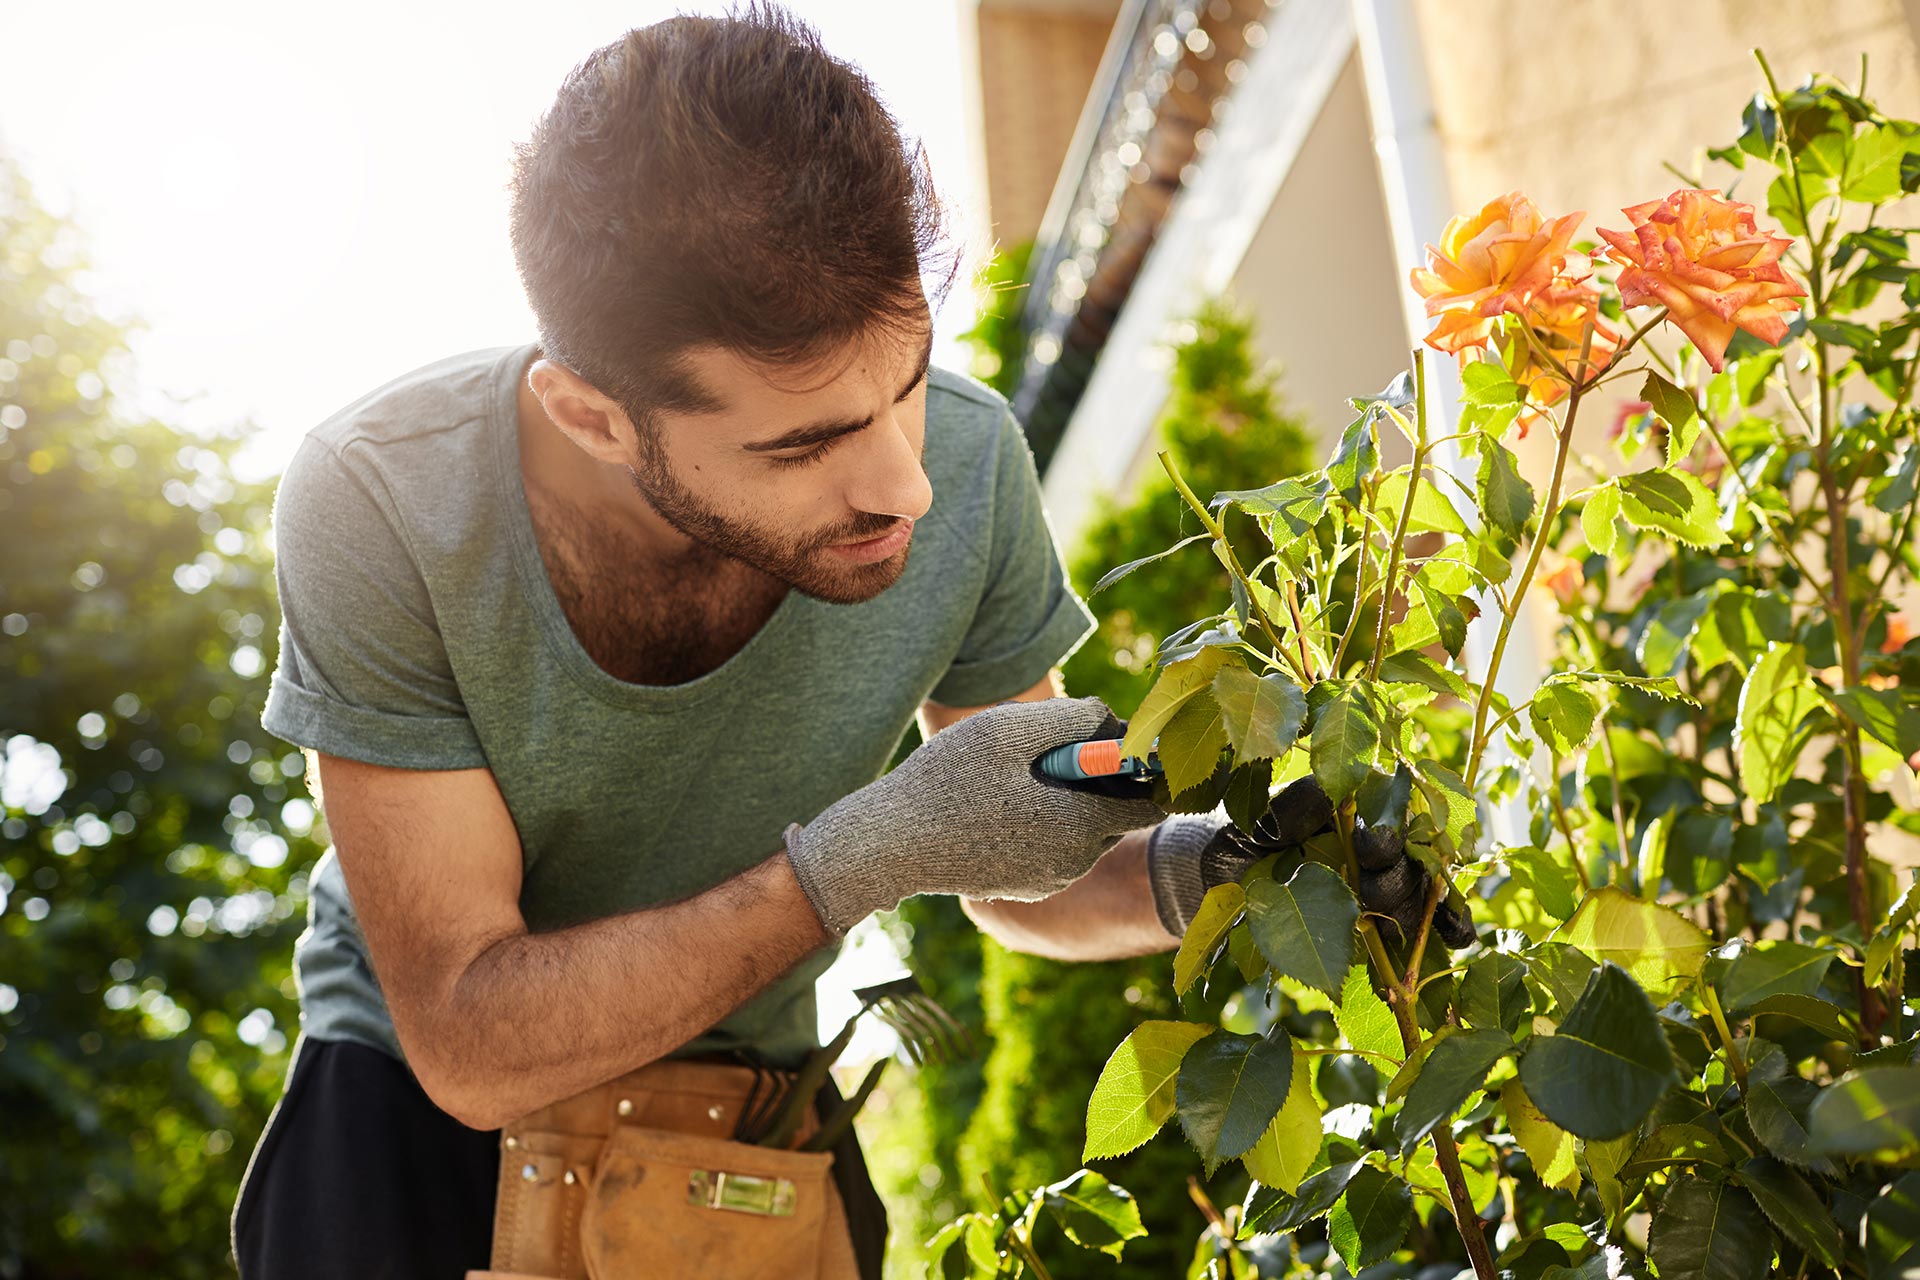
(1681, 1040)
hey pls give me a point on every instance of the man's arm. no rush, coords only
(496, 1021)
(1107, 914)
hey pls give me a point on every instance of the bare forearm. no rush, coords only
(1107, 914)
(537, 1017)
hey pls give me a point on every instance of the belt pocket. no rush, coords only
(544, 1178)
(664, 1203)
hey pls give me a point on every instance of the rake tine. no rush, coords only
(929, 1034)
(909, 1036)
(956, 1031)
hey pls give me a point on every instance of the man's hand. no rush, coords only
(967, 814)
(1190, 854)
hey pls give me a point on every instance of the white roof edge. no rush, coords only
(1200, 246)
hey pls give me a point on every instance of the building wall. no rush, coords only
(1036, 66)
(1319, 275)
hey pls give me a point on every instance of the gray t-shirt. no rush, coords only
(419, 629)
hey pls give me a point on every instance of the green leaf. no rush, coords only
(1364, 1018)
(1897, 488)
(1600, 1074)
(1179, 682)
(1345, 743)
(1777, 695)
(1228, 1091)
(1486, 384)
(1554, 882)
(1450, 804)
(1114, 575)
(1884, 714)
(1305, 927)
(1296, 504)
(1777, 1106)
(1135, 1093)
(1286, 1150)
(1600, 518)
(1548, 1146)
(1673, 503)
(1822, 1015)
(1191, 744)
(1505, 497)
(978, 1241)
(1262, 714)
(1094, 1213)
(1493, 992)
(1873, 171)
(1655, 944)
(1893, 1230)
(1249, 793)
(1677, 409)
(1371, 1219)
(1604, 1163)
(1278, 1211)
(1772, 968)
(1414, 667)
(1455, 1069)
(1563, 714)
(1675, 1144)
(1708, 1230)
(1866, 1113)
(1795, 1208)
(1209, 925)
(1355, 459)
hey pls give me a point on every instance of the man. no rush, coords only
(600, 646)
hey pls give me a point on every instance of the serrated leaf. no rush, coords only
(1286, 1150)
(1228, 1091)
(1884, 714)
(1563, 714)
(1708, 1230)
(1795, 1208)
(1776, 697)
(1209, 925)
(1452, 1073)
(1873, 168)
(1364, 1018)
(1135, 1093)
(1656, 945)
(1677, 409)
(1553, 881)
(1249, 793)
(1354, 459)
(1550, 1147)
(1305, 927)
(1191, 744)
(1674, 503)
(1606, 1065)
(1493, 992)
(1277, 1211)
(1262, 714)
(1772, 968)
(1178, 684)
(1892, 1230)
(1663, 645)
(1600, 518)
(1368, 1222)
(1414, 667)
(1777, 1106)
(1114, 575)
(1094, 1213)
(1345, 742)
(1505, 497)
(1675, 1144)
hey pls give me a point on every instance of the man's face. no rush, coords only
(812, 476)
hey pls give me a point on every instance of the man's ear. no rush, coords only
(592, 421)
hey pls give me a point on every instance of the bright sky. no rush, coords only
(304, 203)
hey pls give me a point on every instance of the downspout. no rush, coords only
(1419, 201)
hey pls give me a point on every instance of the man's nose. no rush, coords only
(889, 479)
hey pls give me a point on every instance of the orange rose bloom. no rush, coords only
(1565, 582)
(1487, 264)
(1703, 259)
(1899, 631)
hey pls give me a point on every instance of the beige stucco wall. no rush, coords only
(1319, 275)
(1036, 65)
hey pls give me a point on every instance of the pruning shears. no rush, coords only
(1097, 758)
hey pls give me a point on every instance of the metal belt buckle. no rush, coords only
(718, 1189)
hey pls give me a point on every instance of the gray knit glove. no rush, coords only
(968, 814)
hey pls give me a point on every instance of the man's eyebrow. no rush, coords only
(820, 432)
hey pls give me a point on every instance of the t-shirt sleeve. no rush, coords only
(362, 671)
(1029, 618)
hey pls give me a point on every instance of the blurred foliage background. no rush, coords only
(153, 839)
(1019, 1116)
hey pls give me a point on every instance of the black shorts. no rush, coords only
(359, 1174)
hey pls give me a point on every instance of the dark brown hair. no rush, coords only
(719, 181)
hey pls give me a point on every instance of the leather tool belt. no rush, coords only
(641, 1177)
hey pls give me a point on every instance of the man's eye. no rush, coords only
(816, 454)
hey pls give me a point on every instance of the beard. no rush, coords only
(800, 561)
